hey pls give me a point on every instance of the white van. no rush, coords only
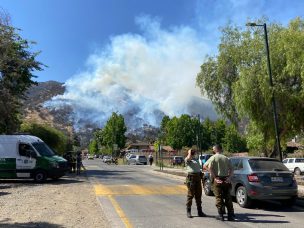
(27, 156)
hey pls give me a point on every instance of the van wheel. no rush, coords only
(242, 198)
(297, 171)
(40, 176)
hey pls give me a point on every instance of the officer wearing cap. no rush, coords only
(194, 183)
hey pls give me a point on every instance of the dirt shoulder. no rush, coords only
(68, 202)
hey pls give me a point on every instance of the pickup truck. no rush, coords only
(295, 165)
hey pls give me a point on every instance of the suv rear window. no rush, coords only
(299, 159)
(142, 157)
(266, 165)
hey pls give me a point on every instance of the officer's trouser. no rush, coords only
(194, 185)
(223, 197)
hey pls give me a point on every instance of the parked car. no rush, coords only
(295, 165)
(259, 179)
(107, 159)
(137, 160)
(203, 158)
(90, 157)
(177, 160)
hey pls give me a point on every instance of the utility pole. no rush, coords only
(273, 101)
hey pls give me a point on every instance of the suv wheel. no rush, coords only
(207, 187)
(242, 198)
(40, 176)
(297, 171)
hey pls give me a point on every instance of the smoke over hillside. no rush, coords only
(142, 76)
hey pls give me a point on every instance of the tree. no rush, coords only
(17, 63)
(114, 132)
(93, 147)
(181, 132)
(218, 131)
(233, 141)
(51, 136)
(236, 80)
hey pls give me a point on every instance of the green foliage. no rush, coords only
(180, 132)
(51, 136)
(233, 142)
(93, 147)
(17, 63)
(188, 132)
(237, 81)
(113, 132)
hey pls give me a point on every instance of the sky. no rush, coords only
(137, 57)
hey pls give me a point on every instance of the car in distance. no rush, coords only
(90, 157)
(137, 160)
(203, 158)
(258, 178)
(107, 159)
(177, 160)
(295, 165)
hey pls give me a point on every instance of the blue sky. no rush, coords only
(137, 57)
(68, 32)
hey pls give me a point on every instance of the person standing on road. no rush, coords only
(194, 183)
(221, 171)
(150, 159)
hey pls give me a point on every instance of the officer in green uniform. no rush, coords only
(194, 183)
(221, 171)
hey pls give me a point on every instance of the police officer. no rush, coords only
(194, 183)
(221, 171)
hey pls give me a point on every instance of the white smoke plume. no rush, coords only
(141, 76)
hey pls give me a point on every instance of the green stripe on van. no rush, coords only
(7, 167)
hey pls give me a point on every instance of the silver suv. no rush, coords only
(137, 160)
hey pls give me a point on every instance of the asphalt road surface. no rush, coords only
(137, 196)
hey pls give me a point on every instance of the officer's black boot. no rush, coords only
(231, 216)
(200, 213)
(220, 215)
(189, 212)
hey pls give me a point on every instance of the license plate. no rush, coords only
(277, 179)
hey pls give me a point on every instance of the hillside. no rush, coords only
(62, 118)
(35, 111)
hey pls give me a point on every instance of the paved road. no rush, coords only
(135, 196)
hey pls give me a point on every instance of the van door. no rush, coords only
(25, 160)
(8, 160)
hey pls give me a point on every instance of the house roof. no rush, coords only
(294, 144)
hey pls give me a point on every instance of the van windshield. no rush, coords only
(43, 149)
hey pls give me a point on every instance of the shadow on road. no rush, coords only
(5, 223)
(275, 207)
(4, 193)
(253, 218)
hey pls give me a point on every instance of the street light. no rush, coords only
(275, 116)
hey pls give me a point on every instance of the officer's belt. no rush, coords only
(222, 177)
(194, 174)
